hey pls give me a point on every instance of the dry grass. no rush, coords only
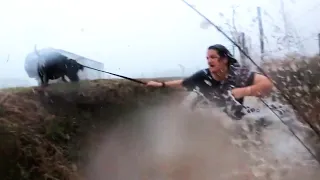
(298, 79)
(41, 135)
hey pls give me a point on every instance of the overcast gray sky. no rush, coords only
(149, 37)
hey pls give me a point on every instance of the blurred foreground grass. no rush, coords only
(43, 135)
(298, 78)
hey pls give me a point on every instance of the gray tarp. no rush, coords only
(39, 58)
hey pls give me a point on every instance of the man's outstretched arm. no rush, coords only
(188, 83)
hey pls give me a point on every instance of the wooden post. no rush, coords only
(261, 33)
(242, 45)
(235, 38)
(319, 42)
(286, 29)
(234, 30)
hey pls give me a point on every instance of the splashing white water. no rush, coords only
(171, 142)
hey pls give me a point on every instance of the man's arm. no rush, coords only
(257, 85)
(43, 79)
(192, 81)
(174, 83)
(261, 85)
(188, 83)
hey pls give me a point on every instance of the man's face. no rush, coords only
(215, 62)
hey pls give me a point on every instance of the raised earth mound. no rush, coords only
(43, 135)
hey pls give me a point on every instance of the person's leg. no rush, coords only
(72, 70)
(44, 80)
(64, 79)
(63, 68)
(73, 76)
(57, 69)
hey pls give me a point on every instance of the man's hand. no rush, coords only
(241, 92)
(171, 84)
(154, 84)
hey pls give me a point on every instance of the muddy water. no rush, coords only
(172, 143)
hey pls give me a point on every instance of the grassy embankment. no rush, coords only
(298, 79)
(44, 136)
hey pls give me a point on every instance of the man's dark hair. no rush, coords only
(224, 53)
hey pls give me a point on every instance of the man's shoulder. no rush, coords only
(242, 70)
(244, 76)
(202, 72)
(197, 76)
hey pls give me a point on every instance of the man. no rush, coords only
(224, 81)
(48, 64)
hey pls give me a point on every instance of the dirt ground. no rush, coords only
(118, 130)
